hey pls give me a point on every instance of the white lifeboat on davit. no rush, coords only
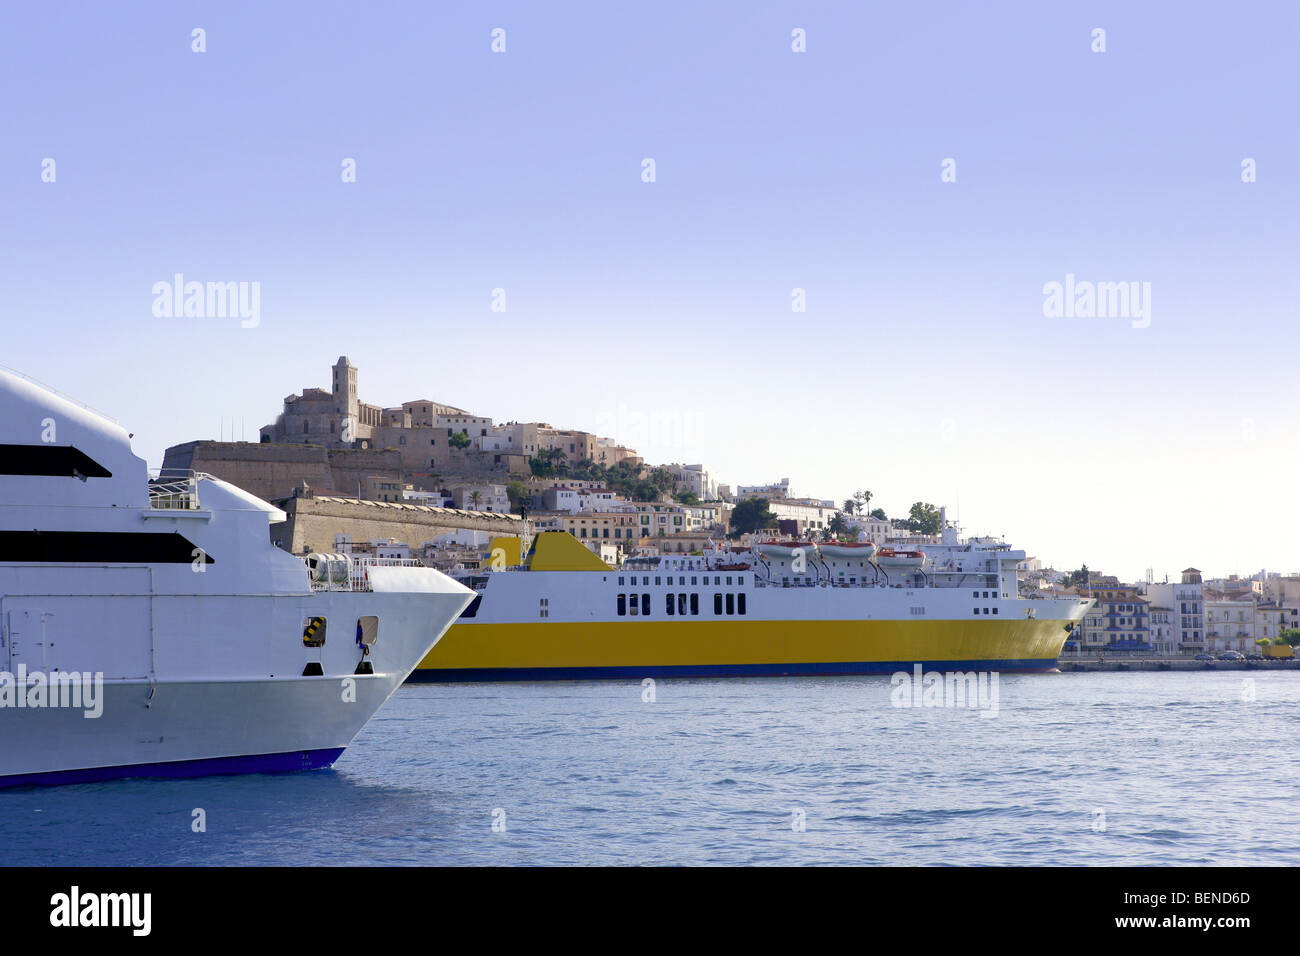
(889, 558)
(852, 550)
(786, 550)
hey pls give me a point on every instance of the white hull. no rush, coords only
(186, 718)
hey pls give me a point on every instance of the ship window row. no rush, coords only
(680, 604)
(977, 611)
(680, 580)
(984, 594)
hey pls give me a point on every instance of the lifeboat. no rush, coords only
(785, 550)
(889, 558)
(852, 550)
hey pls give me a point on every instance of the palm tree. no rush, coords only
(850, 506)
(474, 499)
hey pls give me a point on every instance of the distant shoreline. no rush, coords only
(1076, 665)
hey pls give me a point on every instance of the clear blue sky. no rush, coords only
(923, 368)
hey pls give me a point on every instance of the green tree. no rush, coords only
(474, 499)
(1291, 636)
(1076, 579)
(923, 518)
(879, 514)
(687, 498)
(751, 515)
(840, 527)
(459, 440)
(851, 506)
(662, 480)
(549, 463)
(518, 494)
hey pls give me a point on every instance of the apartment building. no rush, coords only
(1186, 603)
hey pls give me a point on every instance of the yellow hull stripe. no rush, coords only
(739, 642)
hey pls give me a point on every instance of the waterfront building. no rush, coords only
(1186, 601)
(1164, 631)
(1119, 621)
(1231, 624)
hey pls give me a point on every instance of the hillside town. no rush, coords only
(436, 483)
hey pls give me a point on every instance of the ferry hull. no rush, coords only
(201, 725)
(734, 648)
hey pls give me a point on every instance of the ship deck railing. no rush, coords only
(175, 489)
(357, 579)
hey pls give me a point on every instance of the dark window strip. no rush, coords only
(50, 461)
(98, 547)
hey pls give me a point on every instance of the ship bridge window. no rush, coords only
(669, 604)
(632, 605)
(695, 605)
(694, 579)
(622, 605)
(731, 604)
(645, 605)
(681, 604)
(50, 461)
(740, 603)
(717, 604)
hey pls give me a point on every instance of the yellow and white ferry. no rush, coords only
(779, 608)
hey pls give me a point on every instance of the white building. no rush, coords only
(695, 478)
(808, 516)
(1231, 625)
(876, 530)
(482, 496)
(779, 489)
(575, 500)
(1186, 603)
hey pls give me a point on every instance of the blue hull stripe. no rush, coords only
(253, 763)
(440, 675)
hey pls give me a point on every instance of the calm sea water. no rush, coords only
(712, 772)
